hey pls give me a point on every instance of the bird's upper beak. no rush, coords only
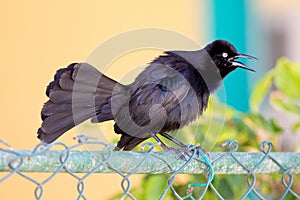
(240, 64)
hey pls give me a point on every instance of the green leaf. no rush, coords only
(153, 186)
(259, 122)
(281, 102)
(230, 186)
(260, 91)
(287, 78)
(295, 127)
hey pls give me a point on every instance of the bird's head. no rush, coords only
(224, 56)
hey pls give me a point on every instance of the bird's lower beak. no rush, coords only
(240, 64)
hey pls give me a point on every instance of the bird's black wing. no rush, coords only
(165, 87)
(155, 93)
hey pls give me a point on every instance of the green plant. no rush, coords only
(284, 82)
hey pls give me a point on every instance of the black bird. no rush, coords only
(170, 93)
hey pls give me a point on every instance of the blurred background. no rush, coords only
(38, 37)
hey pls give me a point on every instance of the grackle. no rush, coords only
(171, 92)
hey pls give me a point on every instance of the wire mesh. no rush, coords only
(71, 161)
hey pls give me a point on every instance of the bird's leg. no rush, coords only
(184, 148)
(163, 145)
(174, 140)
(180, 152)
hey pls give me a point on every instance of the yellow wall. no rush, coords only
(37, 37)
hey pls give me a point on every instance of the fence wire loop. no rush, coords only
(69, 160)
(210, 174)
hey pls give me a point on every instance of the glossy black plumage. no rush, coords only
(170, 93)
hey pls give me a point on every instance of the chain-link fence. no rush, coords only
(212, 165)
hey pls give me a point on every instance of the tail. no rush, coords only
(78, 92)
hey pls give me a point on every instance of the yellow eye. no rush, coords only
(224, 55)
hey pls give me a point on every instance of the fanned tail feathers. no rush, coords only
(77, 93)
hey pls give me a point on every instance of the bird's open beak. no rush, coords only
(240, 64)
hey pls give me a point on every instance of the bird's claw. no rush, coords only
(186, 152)
(198, 150)
(180, 152)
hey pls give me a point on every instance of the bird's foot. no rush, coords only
(198, 149)
(180, 152)
(186, 151)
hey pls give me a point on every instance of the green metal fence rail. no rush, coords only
(72, 161)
